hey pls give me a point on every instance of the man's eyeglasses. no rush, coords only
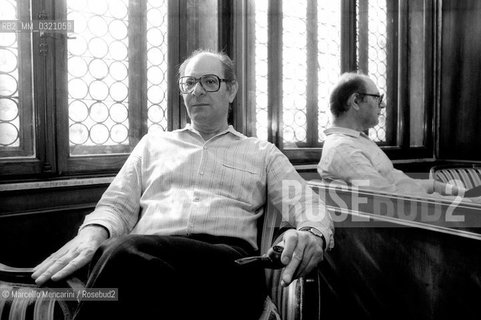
(379, 97)
(209, 82)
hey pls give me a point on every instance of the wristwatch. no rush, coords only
(316, 233)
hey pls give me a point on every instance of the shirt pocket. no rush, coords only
(240, 181)
(245, 169)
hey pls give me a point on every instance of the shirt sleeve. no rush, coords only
(294, 198)
(350, 164)
(118, 209)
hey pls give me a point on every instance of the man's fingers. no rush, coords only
(291, 268)
(55, 266)
(48, 261)
(71, 267)
(290, 244)
(305, 264)
(45, 265)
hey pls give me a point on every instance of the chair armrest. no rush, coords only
(301, 299)
(22, 299)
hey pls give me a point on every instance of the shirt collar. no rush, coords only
(345, 131)
(341, 130)
(230, 129)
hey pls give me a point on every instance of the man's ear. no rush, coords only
(354, 101)
(233, 91)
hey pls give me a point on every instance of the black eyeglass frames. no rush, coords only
(379, 97)
(209, 82)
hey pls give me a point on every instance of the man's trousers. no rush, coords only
(175, 277)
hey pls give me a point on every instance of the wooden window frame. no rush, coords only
(49, 84)
(238, 18)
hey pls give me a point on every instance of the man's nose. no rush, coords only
(198, 89)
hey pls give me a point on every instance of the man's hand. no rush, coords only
(302, 253)
(72, 256)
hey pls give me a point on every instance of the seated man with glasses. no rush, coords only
(184, 207)
(351, 156)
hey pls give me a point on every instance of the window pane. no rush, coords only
(157, 65)
(372, 52)
(16, 112)
(98, 82)
(260, 47)
(329, 58)
(294, 71)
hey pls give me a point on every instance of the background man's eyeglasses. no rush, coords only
(209, 82)
(379, 97)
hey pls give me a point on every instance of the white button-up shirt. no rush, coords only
(175, 183)
(350, 156)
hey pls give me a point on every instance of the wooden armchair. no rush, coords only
(21, 299)
(467, 174)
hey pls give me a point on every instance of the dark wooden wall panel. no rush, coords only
(401, 273)
(401, 264)
(460, 94)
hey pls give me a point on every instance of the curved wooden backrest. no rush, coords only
(469, 175)
(22, 299)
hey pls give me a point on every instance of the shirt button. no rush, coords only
(196, 199)
(201, 173)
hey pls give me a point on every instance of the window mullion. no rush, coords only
(137, 71)
(312, 89)
(363, 36)
(275, 73)
(348, 35)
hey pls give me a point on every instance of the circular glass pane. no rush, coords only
(97, 26)
(8, 134)
(118, 112)
(98, 47)
(78, 133)
(79, 21)
(155, 37)
(300, 134)
(77, 46)
(155, 127)
(97, 6)
(77, 67)
(8, 109)
(119, 91)
(288, 117)
(155, 114)
(8, 85)
(8, 11)
(155, 94)
(77, 88)
(155, 17)
(76, 5)
(99, 112)
(155, 75)
(118, 50)
(98, 69)
(118, 29)
(155, 56)
(118, 70)
(288, 134)
(99, 134)
(98, 90)
(78, 111)
(8, 61)
(300, 118)
(8, 39)
(119, 10)
(119, 133)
